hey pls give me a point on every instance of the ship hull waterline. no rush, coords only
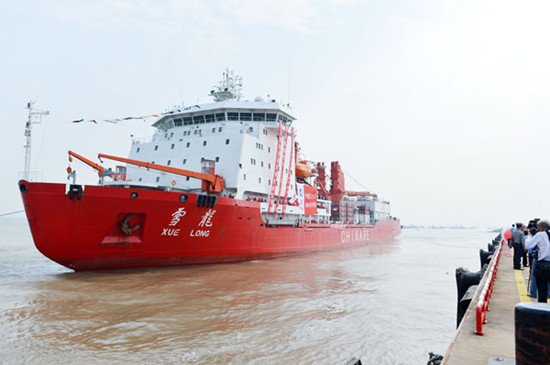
(102, 227)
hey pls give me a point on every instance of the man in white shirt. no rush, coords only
(541, 240)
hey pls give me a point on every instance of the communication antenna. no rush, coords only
(34, 117)
(230, 88)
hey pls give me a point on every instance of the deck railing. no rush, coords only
(485, 297)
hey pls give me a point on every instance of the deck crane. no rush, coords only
(120, 174)
(211, 182)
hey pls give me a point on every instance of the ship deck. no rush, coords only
(498, 339)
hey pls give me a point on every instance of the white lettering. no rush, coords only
(176, 216)
(170, 232)
(206, 220)
(199, 233)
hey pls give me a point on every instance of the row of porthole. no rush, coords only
(188, 144)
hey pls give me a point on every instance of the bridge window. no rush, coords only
(209, 118)
(269, 117)
(178, 122)
(169, 124)
(198, 119)
(246, 116)
(232, 116)
(220, 117)
(258, 117)
(187, 121)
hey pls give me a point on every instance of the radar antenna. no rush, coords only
(229, 88)
(34, 117)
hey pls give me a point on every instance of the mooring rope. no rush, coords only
(19, 211)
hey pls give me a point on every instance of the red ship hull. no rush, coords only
(114, 227)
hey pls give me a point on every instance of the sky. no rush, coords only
(439, 106)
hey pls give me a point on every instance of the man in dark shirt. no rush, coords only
(519, 245)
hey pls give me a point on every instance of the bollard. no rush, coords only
(532, 333)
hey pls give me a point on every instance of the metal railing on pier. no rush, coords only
(485, 297)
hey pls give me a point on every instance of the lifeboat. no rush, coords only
(305, 169)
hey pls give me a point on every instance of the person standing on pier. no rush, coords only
(541, 240)
(518, 239)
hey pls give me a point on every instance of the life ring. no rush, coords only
(173, 182)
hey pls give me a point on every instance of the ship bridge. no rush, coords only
(226, 111)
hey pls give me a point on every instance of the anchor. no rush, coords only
(125, 226)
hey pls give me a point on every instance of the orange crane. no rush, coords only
(338, 188)
(211, 182)
(101, 171)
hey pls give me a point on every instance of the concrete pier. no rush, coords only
(497, 344)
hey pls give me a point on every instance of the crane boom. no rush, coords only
(100, 169)
(214, 183)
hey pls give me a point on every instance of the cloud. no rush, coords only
(292, 15)
(174, 16)
(162, 17)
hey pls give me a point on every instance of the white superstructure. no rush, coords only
(240, 137)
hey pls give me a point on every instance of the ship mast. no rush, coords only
(229, 88)
(34, 117)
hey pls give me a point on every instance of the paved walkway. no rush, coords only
(510, 288)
